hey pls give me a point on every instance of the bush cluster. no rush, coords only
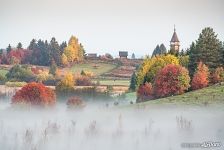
(83, 81)
(34, 94)
(201, 77)
(75, 102)
(171, 80)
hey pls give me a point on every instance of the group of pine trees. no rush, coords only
(159, 50)
(207, 49)
(46, 53)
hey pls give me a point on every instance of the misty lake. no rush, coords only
(97, 127)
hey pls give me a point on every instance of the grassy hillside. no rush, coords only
(207, 96)
(97, 68)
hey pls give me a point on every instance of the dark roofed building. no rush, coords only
(92, 55)
(123, 54)
(174, 42)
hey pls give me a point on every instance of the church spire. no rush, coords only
(174, 42)
(174, 37)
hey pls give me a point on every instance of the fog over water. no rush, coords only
(96, 127)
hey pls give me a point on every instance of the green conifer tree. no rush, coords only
(133, 82)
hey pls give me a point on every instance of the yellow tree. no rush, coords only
(151, 66)
(64, 60)
(66, 84)
(74, 51)
(43, 76)
(81, 52)
(170, 59)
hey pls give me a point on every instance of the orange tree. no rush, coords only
(171, 80)
(217, 75)
(201, 77)
(145, 92)
(35, 94)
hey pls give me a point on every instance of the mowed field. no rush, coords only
(96, 68)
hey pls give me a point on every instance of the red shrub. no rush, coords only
(34, 94)
(83, 81)
(200, 78)
(218, 75)
(17, 56)
(75, 102)
(145, 92)
(171, 80)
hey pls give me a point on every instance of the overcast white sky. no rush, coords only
(109, 25)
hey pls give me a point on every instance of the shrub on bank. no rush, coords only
(66, 85)
(20, 73)
(44, 76)
(145, 92)
(34, 94)
(75, 102)
(83, 81)
(201, 77)
(217, 76)
(171, 80)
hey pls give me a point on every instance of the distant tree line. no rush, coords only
(44, 53)
(159, 50)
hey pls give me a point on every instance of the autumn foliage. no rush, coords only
(18, 56)
(150, 66)
(75, 102)
(144, 92)
(171, 80)
(73, 52)
(82, 81)
(64, 60)
(218, 75)
(66, 84)
(201, 77)
(34, 94)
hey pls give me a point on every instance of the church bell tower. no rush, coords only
(175, 43)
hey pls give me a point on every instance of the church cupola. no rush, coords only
(174, 43)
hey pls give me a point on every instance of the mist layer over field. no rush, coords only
(97, 127)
